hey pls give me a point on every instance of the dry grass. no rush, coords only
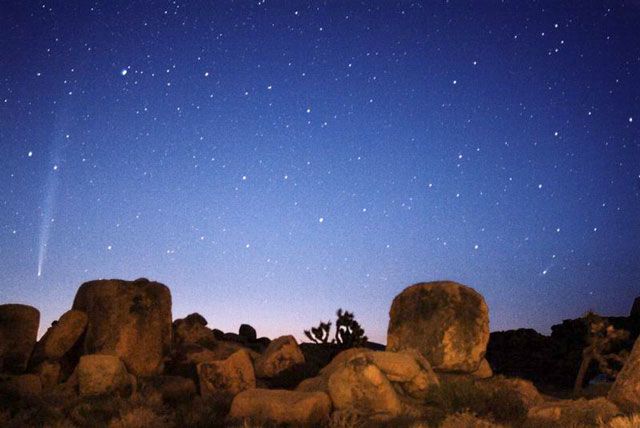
(631, 421)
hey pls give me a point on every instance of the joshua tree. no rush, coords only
(349, 333)
(600, 340)
(319, 334)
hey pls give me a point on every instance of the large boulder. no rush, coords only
(282, 354)
(359, 387)
(229, 376)
(445, 321)
(130, 319)
(60, 337)
(102, 374)
(408, 371)
(18, 333)
(279, 406)
(192, 329)
(625, 391)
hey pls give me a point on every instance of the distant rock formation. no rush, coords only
(447, 322)
(552, 362)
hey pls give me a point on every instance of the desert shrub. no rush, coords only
(139, 417)
(201, 413)
(466, 420)
(349, 333)
(465, 396)
(631, 421)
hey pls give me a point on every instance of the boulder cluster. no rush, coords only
(119, 337)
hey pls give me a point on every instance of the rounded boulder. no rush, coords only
(447, 322)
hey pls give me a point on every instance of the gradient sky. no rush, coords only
(272, 161)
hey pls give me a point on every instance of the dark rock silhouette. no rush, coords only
(446, 321)
(248, 333)
(18, 333)
(129, 319)
(552, 362)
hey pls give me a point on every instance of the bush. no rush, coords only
(465, 396)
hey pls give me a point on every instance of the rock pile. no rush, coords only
(119, 339)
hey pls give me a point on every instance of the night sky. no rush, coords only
(272, 161)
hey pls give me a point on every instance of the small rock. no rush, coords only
(484, 371)
(593, 412)
(18, 333)
(229, 376)
(248, 333)
(279, 406)
(101, 374)
(282, 354)
(192, 329)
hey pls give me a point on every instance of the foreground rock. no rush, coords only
(229, 376)
(373, 384)
(282, 354)
(61, 336)
(567, 413)
(279, 406)
(102, 374)
(130, 319)
(360, 387)
(445, 321)
(18, 333)
(625, 391)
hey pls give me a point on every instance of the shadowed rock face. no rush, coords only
(625, 391)
(447, 322)
(60, 337)
(18, 333)
(130, 319)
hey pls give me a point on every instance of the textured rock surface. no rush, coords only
(280, 406)
(170, 388)
(407, 370)
(445, 321)
(101, 374)
(130, 319)
(61, 336)
(229, 376)
(192, 329)
(22, 386)
(361, 388)
(567, 413)
(248, 333)
(49, 373)
(484, 370)
(282, 354)
(18, 333)
(625, 391)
